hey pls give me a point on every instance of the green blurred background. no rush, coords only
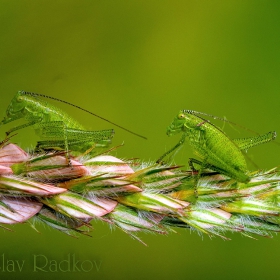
(137, 63)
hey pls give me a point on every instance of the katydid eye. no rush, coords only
(181, 116)
(20, 98)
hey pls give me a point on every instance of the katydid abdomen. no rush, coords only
(218, 151)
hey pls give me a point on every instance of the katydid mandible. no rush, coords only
(56, 128)
(215, 149)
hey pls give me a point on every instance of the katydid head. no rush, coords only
(185, 121)
(177, 125)
(15, 109)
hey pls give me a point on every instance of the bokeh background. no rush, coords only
(138, 63)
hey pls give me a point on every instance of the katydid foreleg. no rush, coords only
(20, 127)
(180, 143)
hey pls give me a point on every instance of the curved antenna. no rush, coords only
(78, 107)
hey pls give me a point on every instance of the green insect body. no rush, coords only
(56, 128)
(215, 149)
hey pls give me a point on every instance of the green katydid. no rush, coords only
(56, 128)
(214, 147)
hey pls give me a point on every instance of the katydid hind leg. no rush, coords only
(56, 130)
(238, 175)
(204, 165)
(247, 143)
(57, 135)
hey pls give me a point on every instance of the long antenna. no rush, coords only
(78, 107)
(221, 119)
(226, 120)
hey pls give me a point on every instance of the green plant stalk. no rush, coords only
(133, 196)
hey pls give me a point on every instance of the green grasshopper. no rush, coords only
(56, 128)
(213, 146)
